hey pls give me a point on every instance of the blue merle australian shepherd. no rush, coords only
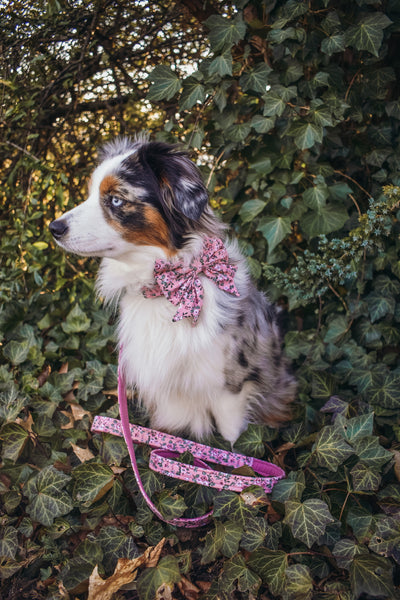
(148, 208)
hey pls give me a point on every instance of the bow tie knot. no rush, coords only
(181, 284)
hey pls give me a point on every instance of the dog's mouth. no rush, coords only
(83, 250)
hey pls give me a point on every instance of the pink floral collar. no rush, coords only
(181, 284)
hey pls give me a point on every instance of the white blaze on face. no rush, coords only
(89, 234)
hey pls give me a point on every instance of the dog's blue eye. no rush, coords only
(116, 202)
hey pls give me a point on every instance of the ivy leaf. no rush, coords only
(339, 191)
(231, 538)
(16, 352)
(250, 209)
(220, 98)
(230, 504)
(254, 533)
(91, 482)
(166, 573)
(115, 543)
(368, 33)
(336, 329)
(364, 478)
(332, 44)
(323, 384)
(14, 438)
(270, 565)
(165, 83)
(370, 452)
(385, 285)
(193, 92)
(359, 427)
(385, 391)
(361, 521)
(380, 305)
(371, 575)
(76, 321)
(306, 134)
(221, 65)
(393, 109)
(299, 583)
(386, 540)
(274, 229)
(324, 220)
(362, 379)
(322, 115)
(11, 403)
(330, 449)
(377, 157)
(315, 197)
(274, 105)
(256, 79)
(223, 32)
(78, 569)
(368, 334)
(251, 441)
(238, 132)
(171, 505)
(345, 550)
(213, 543)
(47, 498)
(8, 542)
(290, 488)
(152, 481)
(237, 574)
(262, 124)
(112, 449)
(307, 520)
(335, 405)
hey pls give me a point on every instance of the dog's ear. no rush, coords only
(179, 179)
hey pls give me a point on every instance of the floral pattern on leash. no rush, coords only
(168, 447)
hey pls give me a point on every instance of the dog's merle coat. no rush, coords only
(147, 201)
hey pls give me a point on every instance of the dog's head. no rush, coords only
(142, 193)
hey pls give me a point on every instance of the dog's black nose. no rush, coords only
(58, 228)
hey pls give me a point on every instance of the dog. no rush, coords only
(214, 364)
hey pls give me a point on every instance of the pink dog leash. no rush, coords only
(168, 447)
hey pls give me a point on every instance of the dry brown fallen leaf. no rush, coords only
(188, 589)
(79, 412)
(204, 585)
(71, 422)
(125, 572)
(83, 454)
(26, 423)
(280, 453)
(153, 554)
(164, 592)
(396, 456)
(44, 375)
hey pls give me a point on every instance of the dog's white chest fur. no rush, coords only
(177, 370)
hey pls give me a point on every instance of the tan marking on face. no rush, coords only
(109, 185)
(151, 230)
(153, 233)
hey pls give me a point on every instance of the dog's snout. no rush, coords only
(58, 228)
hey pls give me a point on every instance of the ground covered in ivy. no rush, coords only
(71, 508)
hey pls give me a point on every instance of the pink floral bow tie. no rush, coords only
(181, 284)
